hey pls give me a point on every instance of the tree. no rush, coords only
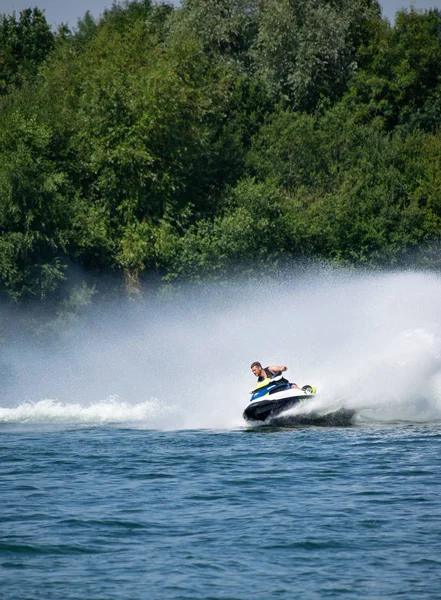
(226, 28)
(307, 50)
(400, 80)
(143, 129)
(246, 237)
(24, 45)
(35, 207)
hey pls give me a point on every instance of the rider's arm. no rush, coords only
(277, 369)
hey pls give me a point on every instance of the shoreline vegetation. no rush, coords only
(214, 140)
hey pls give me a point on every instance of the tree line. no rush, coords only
(221, 137)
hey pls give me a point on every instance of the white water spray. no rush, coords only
(368, 342)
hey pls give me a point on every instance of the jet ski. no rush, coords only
(273, 396)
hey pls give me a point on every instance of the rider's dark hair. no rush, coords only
(256, 364)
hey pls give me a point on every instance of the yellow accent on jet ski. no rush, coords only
(261, 384)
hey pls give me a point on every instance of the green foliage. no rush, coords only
(24, 45)
(354, 193)
(307, 50)
(225, 136)
(141, 135)
(400, 83)
(85, 31)
(245, 238)
(289, 150)
(34, 205)
(375, 199)
(120, 17)
(226, 28)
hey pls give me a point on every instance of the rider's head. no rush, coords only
(256, 368)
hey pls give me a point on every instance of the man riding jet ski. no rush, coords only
(273, 393)
(269, 372)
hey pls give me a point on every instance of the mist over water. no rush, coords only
(370, 342)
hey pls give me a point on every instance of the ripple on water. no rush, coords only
(200, 514)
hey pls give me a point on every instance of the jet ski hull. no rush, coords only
(341, 417)
(272, 399)
(262, 410)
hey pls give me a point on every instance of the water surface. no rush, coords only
(265, 513)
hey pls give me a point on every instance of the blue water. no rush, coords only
(112, 512)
